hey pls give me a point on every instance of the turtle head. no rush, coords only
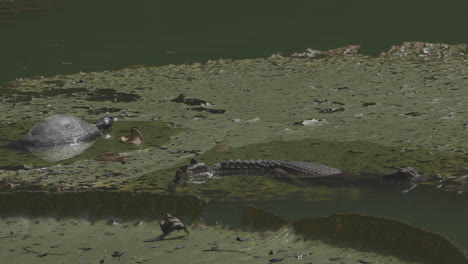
(105, 122)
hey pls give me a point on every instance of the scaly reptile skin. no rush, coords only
(198, 172)
(300, 169)
(280, 168)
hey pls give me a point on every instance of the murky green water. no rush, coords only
(424, 207)
(71, 36)
(61, 37)
(46, 240)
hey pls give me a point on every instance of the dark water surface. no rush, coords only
(425, 207)
(57, 37)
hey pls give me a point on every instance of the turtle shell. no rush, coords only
(61, 129)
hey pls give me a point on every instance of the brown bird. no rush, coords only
(136, 137)
(171, 224)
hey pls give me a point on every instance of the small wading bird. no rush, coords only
(171, 224)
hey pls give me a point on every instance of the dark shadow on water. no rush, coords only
(103, 94)
(424, 206)
(95, 205)
(364, 233)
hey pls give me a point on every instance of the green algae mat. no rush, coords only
(359, 113)
(342, 238)
(363, 115)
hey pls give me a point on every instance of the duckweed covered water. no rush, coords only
(48, 240)
(353, 112)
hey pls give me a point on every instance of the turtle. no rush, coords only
(60, 129)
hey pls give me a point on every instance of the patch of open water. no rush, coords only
(440, 212)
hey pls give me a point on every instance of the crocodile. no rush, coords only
(198, 172)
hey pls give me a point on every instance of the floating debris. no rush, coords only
(111, 156)
(209, 110)
(274, 260)
(309, 53)
(413, 114)
(341, 88)
(311, 122)
(253, 120)
(317, 101)
(217, 249)
(363, 261)
(214, 248)
(199, 116)
(85, 249)
(330, 110)
(43, 254)
(118, 254)
(338, 103)
(181, 98)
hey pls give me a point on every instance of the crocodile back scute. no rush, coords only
(304, 169)
(301, 169)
